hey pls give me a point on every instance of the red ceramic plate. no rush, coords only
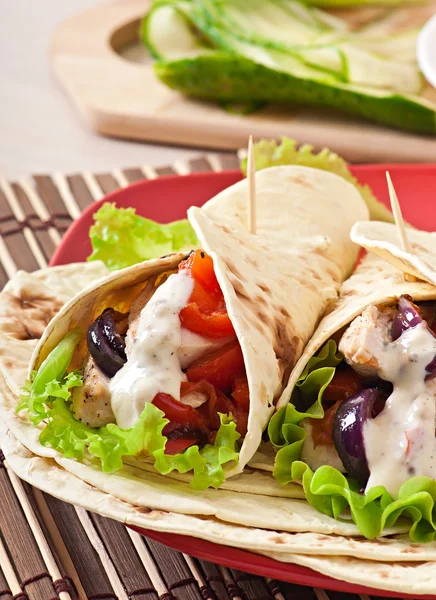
(167, 199)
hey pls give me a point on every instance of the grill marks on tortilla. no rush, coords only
(234, 270)
(303, 182)
(25, 316)
(279, 328)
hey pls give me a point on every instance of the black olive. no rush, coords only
(105, 345)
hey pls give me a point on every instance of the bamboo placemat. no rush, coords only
(50, 549)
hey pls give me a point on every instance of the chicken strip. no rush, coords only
(92, 400)
(363, 342)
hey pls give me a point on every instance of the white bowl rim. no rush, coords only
(426, 50)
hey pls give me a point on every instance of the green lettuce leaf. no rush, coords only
(51, 381)
(121, 238)
(333, 494)
(46, 397)
(270, 153)
(284, 430)
(328, 490)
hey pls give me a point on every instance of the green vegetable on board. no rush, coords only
(284, 51)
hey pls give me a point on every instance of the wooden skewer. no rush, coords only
(399, 221)
(251, 176)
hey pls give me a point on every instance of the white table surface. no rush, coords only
(39, 130)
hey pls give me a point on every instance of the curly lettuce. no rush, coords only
(47, 397)
(328, 490)
(284, 429)
(121, 238)
(270, 153)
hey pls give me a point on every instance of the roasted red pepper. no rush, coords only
(219, 368)
(206, 312)
(344, 384)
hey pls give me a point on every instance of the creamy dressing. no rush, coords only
(153, 365)
(400, 442)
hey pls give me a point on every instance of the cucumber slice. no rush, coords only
(401, 47)
(329, 58)
(354, 3)
(237, 79)
(256, 28)
(352, 71)
(272, 23)
(167, 31)
(367, 69)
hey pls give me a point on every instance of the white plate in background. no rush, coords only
(426, 50)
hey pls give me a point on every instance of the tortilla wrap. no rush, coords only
(383, 239)
(274, 297)
(27, 304)
(375, 281)
(297, 208)
(401, 567)
(237, 515)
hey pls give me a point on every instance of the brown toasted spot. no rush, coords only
(315, 274)
(239, 289)
(263, 396)
(255, 323)
(348, 293)
(252, 260)
(285, 345)
(384, 574)
(143, 510)
(25, 317)
(261, 315)
(409, 550)
(303, 182)
(322, 538)
(278, 539)
(283, 311)
(233, 269)
(261, 300)
(264, 288)
(9, 364)
(225, 228)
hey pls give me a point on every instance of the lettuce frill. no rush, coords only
(328, 490)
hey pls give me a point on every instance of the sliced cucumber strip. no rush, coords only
(234, 78)
(294, 52)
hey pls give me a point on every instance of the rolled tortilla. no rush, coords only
(375, 281)
(28, 302)
(275, 286)
(383, 239)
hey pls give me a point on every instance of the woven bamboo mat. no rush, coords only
(50, 549)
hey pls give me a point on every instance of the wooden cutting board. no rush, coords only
(107, 74)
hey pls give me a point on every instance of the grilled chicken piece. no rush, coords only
(92, 401)
(362, 343)
(135, 312)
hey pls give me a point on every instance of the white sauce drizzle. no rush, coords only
(154, 364)
(400, 442)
